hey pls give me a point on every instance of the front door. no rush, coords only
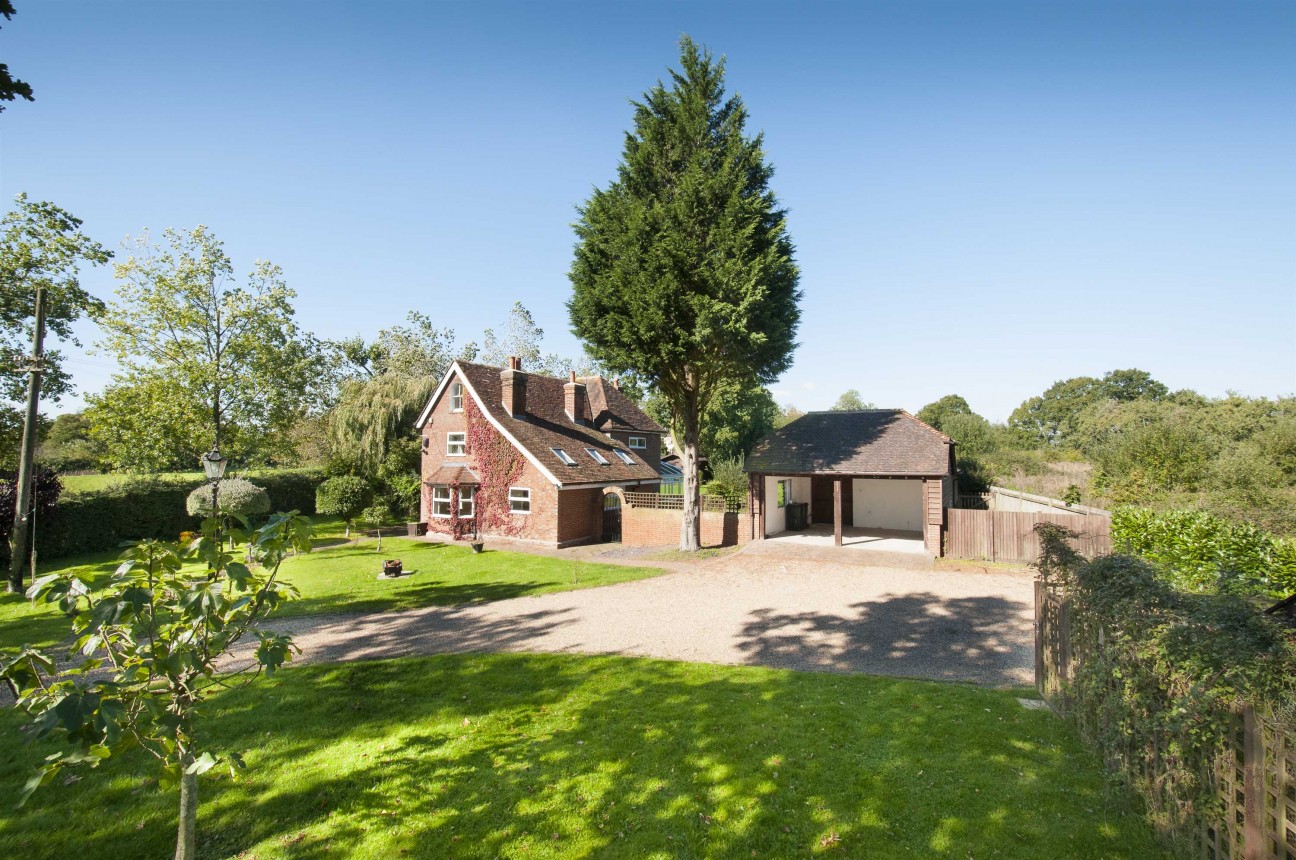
(612, 518)
(821, 501)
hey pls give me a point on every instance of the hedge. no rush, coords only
(1160, 675)
(1199, 552)
(100, 520)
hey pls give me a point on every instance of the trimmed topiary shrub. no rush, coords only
(237, 496)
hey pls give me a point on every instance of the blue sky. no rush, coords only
(985, 197)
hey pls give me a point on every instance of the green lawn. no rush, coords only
(561, 756)
(343, 577)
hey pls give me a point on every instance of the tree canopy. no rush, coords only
(1051, 418)
(851, 401)
(42, 246)
(200, 358)
(11, 87)
(940, 411)
(683, 270)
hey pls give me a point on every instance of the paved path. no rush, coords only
(745, 608)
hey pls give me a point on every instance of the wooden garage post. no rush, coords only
(837, 512)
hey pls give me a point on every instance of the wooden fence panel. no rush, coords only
(1009, 536)
(966, 536)
(1254, 777)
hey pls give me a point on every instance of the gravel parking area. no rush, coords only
(742, 608)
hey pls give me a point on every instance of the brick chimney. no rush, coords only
(574, 399)
(513, 388)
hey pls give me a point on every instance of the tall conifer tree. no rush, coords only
(683, 271)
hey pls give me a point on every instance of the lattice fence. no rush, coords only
(1254, 780)
(656, 501)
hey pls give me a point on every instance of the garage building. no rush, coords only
(866, 474)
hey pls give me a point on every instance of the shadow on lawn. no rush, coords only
(640, 757)
(416, 592)
(463, 756)
(980, 639)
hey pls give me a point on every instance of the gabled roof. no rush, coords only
(612, 410)
(546, 426)
(885, 442)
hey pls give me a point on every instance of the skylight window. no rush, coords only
(564, 456)
(625, 458)
(597, 456)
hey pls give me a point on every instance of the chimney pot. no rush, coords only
(514, 363)
(571, 376)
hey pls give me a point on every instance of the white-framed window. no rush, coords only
(564, 456)
(456, 397)
(467, 495)
(597, 456)
(520, 500)
(456, 444)
(639, 442)
(784, 492)
(625, 458)
(441, 501)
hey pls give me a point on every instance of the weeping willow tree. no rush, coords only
(371, 413)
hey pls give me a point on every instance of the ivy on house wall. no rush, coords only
(499, 466)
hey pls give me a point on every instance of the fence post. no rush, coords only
(994, 555)
(1064, 650)
(1039, 639)
(1253, 847)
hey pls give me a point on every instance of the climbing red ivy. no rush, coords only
(499, 466)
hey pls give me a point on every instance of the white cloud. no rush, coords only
(808, 386)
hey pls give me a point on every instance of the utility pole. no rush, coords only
(22, 508)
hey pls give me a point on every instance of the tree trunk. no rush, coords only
(691, 526)
(186, 837)
(23, 483)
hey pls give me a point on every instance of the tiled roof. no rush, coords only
(453, 475)
(546, 426)
(612, 410)
(869, 442)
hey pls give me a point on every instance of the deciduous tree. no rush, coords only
(851, 401)
(684, 269)
(42, 246)
(215, 360)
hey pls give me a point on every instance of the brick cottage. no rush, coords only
(532, 457)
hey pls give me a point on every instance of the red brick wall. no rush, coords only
(540, 525)
(579, 516)
(650, 527)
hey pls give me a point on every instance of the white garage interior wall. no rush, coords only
(776, 517)
(880, 503)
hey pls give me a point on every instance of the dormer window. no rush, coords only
(597, 456)
(639, 442)
(564, 456)
(625, 458)
(456, 397)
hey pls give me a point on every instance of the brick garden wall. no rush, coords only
(649, 526)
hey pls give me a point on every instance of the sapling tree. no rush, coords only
(344, 496)
(158, 641)
(374, 516)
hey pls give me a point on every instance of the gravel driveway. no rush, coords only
(741, 609)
